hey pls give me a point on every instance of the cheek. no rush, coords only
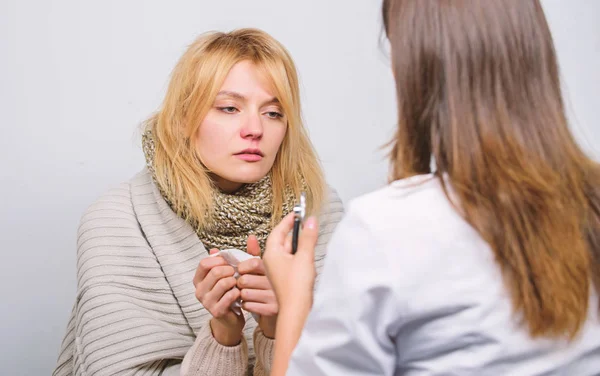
(210, 141)
(277, 137)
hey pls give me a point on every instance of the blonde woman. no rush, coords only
(227, 156)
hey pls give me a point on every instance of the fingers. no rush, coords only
(215, 285)
(217, 273)
(212, 289)
(307, 240)
(205, 267)
(251, 281)
(261, 302)
(280, 232)
(252, 266)
(287, 246)
(261, 309)
(258, 296)
(218, 300)
(223, 306)
(253, 247)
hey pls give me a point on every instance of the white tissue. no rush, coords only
(234, 257)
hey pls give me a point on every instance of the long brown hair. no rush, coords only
(478, 91)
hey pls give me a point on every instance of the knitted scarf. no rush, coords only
(236, 215)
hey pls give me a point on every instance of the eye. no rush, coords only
(228, 110)
(274, 115)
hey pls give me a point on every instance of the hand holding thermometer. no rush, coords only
(299, 214)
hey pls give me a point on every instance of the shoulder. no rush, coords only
(117, 203)
(390, 236)
(114, 205)
(332, 207)
(402, 205)
(410, 224)
(407, 222)
(109, 231)
(331, 213)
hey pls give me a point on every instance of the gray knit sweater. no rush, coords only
(135, 312)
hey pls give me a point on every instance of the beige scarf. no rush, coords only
(237, 215)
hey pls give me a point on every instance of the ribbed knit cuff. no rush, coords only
(209, 357)
(264, 348)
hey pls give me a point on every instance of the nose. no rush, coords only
(252, 127)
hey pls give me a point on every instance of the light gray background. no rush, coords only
(77, 77)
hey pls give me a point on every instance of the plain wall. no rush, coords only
(77, 78)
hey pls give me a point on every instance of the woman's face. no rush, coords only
(242, 132)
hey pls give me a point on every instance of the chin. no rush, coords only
(247, 176)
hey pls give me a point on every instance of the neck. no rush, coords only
(225, 185)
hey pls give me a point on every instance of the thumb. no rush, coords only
(307, 240)
(252, 247)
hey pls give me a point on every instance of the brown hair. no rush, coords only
(478, 90)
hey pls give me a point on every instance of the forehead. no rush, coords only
(249, 79)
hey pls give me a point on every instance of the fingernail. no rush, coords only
(311, 223)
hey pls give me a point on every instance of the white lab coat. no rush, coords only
(409, 288)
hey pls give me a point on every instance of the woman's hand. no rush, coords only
(216, 290)
(292, 276)
(293, 279)
(257, 294)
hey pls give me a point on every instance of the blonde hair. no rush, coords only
(195, 82)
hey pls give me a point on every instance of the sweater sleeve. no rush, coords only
(263, 347)
(126, 320)
(209, 357)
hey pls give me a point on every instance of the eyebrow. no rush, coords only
(237, 95)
